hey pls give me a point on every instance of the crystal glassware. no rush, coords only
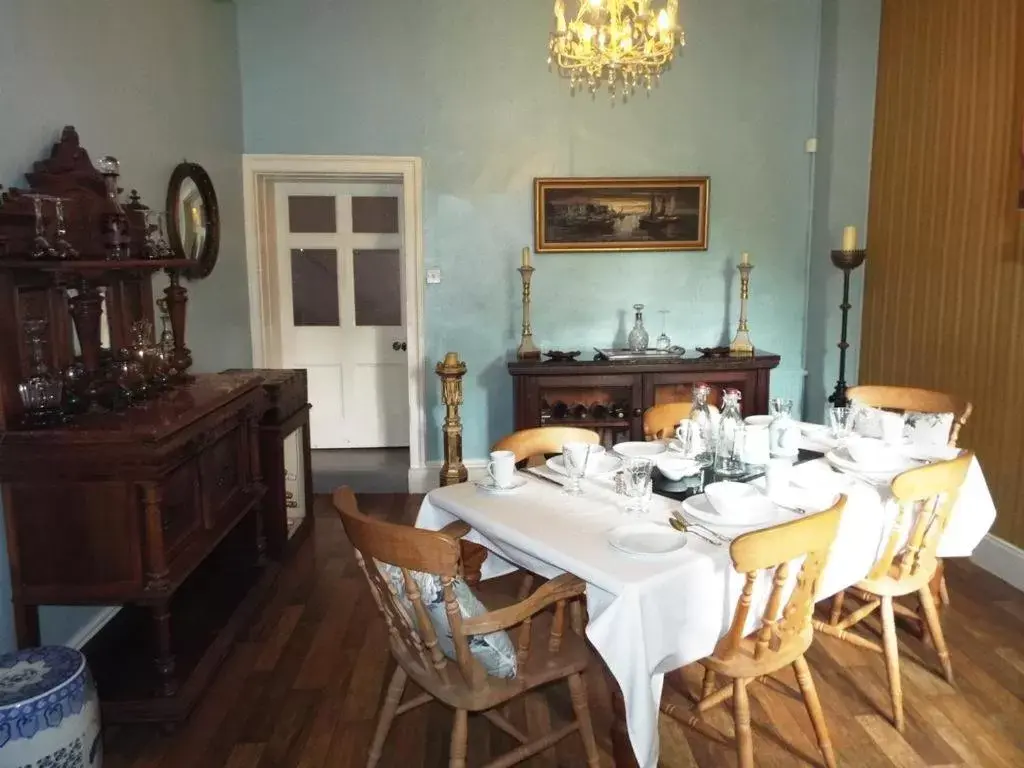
(574, 457)
(64, 249)
(156, 236)
(784, 432)
(41, 391)
(729, 457)
(41, 248)
(840, 422)
(114, 220)
(638, 337)
(636, 484)
(664, 342)
(700, 415)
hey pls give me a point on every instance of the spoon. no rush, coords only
(682, 527)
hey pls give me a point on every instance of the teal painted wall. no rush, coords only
(846, 112)
(465, 85)
(166, 87)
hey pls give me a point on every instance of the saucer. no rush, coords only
(487, 485)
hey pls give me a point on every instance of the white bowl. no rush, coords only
(729, 498)
(870, 451)
(638, 449)
(676, 467)
(758, 421)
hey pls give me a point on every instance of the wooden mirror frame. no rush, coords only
(207, 259)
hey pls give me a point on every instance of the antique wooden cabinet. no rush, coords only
(611, 397)
(123, 508)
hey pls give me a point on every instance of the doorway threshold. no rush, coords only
(364, 470)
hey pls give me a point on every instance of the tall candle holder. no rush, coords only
(527, 349)
(847, 261)
(741, 344)
(450, 371)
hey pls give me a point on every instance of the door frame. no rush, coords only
(260, 173)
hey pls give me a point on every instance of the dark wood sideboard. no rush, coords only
(158, 509)
(611, 397)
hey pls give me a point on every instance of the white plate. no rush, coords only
(645, 450)
(597, 466)
(810, 501)
(487, 485)
(759, 513)
(815, 431)
(841, 460)
(815, 476)
(646, 538)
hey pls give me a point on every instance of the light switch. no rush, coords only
(433, 276)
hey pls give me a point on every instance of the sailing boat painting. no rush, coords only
(621, 214)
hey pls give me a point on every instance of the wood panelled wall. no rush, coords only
(944, 290)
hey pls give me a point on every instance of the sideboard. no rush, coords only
(611, 397)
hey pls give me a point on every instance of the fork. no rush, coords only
(682, 527)
(691, 524)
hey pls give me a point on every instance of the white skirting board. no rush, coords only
(1002, 559)
(88, 630)
(426, 478)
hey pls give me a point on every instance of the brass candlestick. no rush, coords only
(741, 344)
(527, 349)
(451, 370)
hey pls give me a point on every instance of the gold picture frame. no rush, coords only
(636, 213)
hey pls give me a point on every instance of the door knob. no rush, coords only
(398, 345)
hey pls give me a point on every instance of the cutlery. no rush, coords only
(689, 522)
(796, 510)
(682, 527)
(539, 476)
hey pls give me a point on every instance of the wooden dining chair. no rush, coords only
(783, 637)
(660, 421)
(925, 497)
(462, 683)
(903, 399)
(531, 447)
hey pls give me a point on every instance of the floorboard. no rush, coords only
(302, 688)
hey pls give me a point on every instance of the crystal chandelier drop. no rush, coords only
(623, 43)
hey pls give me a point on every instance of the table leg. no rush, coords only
(622, 749)
(164, 659)
(473, 556)
(26, 624)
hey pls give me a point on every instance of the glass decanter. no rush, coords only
(41, 391)
(704, 432)
(638, 337)
(729, 457)
(784, 432)
(114, 219)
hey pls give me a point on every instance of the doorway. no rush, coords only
(334, 250)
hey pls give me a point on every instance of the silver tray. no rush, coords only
(614, 355)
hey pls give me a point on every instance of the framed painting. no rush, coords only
(621, 214)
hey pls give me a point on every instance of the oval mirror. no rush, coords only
(193, 219)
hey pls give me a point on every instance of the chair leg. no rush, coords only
(525, 587)
(460, 737)
(741, 711)
(387, 713)
(837, 608)
(813, 705)
(578, 694)
(708, 687)
(931, 615)
(892, 662)
(943, 590)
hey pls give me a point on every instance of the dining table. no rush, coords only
(651, 614)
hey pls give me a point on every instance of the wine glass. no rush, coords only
(64, 249)
(156, 237)
(664, 342)
(41, 248)
(574, 458)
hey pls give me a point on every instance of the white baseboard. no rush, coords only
(426, 478)
(1002, 559)
(86, 632)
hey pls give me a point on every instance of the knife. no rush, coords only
(539, 476)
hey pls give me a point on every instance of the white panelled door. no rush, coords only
(340, 278)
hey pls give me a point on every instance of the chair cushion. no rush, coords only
(924, 429)
(494, 651)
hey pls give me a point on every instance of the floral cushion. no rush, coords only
(494, 651)
(924, 429)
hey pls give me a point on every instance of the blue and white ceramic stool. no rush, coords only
(49, 711)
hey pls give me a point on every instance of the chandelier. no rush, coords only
(623, 43)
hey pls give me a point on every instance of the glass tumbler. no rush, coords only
(636, 484)
(840, 422)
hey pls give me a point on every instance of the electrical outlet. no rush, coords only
(433, 276)
(811, 146)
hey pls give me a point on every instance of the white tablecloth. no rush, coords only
(649, 616)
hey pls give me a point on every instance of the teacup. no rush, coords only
(689, 438)
(502, 468)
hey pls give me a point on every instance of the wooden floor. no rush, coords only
(302, 689)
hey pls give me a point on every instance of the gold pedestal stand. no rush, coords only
(741, 345)
(451, 370)
(527, 349)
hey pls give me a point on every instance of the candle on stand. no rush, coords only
(849, 238)
(745, 258)
(526, 256)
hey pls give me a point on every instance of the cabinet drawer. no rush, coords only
(180, 507)
(221, 473)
